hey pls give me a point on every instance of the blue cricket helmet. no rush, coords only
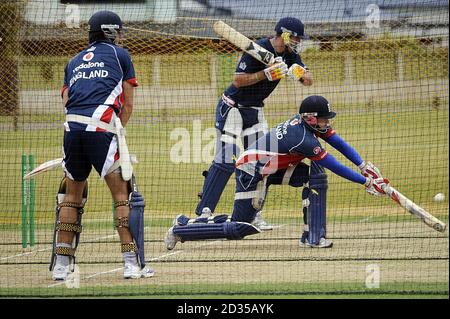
(314, 107)
(291, 25)
(106, 21)
(317, 104)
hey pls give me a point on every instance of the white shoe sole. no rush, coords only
(264, 227)
(135, 276)
(60, 275)
(147, 272)
(144, 273)
(57, 278)
(305, 245)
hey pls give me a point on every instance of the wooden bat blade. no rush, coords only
(415, 209)
(44, 167)
(244, 43)
(235, 37)
(57, 163)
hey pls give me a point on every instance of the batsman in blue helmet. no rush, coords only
(98, 101)
(277, 158)
(239, 112)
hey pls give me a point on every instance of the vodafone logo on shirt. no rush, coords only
(88, 56)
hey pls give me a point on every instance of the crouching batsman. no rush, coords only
(277, 159)
(98, 100)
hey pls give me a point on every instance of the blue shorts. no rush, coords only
(82, 150)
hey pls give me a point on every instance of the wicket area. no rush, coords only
(28, 202)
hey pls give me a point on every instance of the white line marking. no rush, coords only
(23, 254)
(119, 269)
(46, 249)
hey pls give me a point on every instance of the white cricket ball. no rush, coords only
(439, 197)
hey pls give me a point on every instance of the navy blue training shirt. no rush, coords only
(94, 78)
(291, 142)
(254, 95)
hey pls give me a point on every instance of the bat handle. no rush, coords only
(133, 183)
(387, 189)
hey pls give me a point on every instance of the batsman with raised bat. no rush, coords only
(98, 99)
(277, 159)
(239, 112)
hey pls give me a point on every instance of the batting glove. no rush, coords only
(375, 186)
(369, 170)
(276, 71)
(296, 72)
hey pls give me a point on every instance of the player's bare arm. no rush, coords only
(65, 96)
(246, 79)
(274, 72)
(128, 96)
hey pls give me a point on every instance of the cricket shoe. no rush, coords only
(147, 272)
(61, 269)
(171, 239)
(206, 213)
(260, 223)
(131, 271)
(323, 243)
(60, 272)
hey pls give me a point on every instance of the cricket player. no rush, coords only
(277, 159)
(97, 96)
(239, 112)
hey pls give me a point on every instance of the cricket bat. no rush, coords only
(124, 159)
(44, 167)
(415, 209)
(244, 43)
(57, 163)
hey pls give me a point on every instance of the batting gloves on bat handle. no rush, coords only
(276, 71)
(369, 170)
(374, 186)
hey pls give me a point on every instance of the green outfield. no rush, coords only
(365, 230)
(417, 63)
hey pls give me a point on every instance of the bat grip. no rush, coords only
(133, 183)
(387, 189)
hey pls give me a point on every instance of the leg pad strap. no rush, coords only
(75, 228)
(65, 251)
(130, 247)
(67, 227)
(121, 222)
(121, 203)
(78, 206)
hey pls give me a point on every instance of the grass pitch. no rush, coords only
(407, 139)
